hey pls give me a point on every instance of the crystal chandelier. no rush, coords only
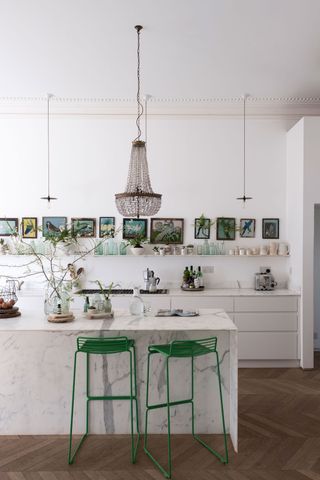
(48, 197)
(244, 198)
(138, 198)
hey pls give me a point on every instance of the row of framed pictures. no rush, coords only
(162, 230)
(83, 227)
(170, 230)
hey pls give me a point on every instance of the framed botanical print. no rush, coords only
(29, 227)
(133, 227)
(226, 228)
(53, 225)
(270, 228)
(106, 226)
(84, 227)
(8, 226)
(166, 230)
(202, 228)
(247, 227)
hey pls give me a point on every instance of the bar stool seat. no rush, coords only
(105, 346)
(183, 349)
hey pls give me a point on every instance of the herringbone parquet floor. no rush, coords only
(279, 429)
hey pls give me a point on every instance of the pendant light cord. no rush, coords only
(140, 105)
(48, 140)
(244, 145)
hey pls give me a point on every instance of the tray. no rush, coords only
(56, 318)
(99, 316)
(10, 315)
(200, 289)
(7, 310)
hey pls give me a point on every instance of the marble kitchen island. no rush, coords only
(36, 373)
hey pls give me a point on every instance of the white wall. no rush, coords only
(317, 277)
(303, 172)
(195, 162)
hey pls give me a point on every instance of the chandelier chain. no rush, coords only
(139, 104)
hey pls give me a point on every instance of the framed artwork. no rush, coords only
(133, 227)
(8, 226)
(166, 230)
(84, 227)
(202, 228)
(247, 227)
(29, 227)
(52, 225)
(270, 228)
(106, 226)
(226, 228)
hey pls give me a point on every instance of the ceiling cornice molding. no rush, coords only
(214, 106)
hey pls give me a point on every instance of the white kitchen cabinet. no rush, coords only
(266, 322)
(268, 345)
(266, 304)
(154, 301)
(194, 302)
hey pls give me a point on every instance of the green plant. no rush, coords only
(137, 241)
(109, 289)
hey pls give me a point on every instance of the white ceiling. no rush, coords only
(190, 48)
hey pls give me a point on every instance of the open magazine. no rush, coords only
(176, 313)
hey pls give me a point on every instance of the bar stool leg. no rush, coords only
(196, 437)
(226, 458)
(88, 393)
(166, 473)
(169, 420)
(136, 402)
(147, 408)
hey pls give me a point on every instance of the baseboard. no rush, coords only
(269, 364)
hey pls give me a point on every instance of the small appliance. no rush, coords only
(264, 280)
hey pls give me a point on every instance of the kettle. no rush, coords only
(153, 282)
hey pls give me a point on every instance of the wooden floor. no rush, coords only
(279, 427)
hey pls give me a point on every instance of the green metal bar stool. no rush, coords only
(183, 349)
(105, 346)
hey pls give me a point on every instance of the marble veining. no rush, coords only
(37, 362)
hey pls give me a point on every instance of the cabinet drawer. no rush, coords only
(195, 302)
(155, 302)
(266, 304)
(266, 322)
(268, 346)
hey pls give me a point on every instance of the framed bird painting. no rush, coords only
(247, 227)
(53, 225)
(29, 227)
(84, 227)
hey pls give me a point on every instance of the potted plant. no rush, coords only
(106, 293)
(136, 244)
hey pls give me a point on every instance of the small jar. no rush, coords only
(231, 251)
(242, 251)
(190, 250)
(183, 250)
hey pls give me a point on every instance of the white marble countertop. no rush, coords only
(209, 319)
(233, 292)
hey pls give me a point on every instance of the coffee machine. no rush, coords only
(264, 280)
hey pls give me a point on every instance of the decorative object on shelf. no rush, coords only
(29, 227)
(8, 227)
(8, 299)
(156, 250)
(53, 226)
(4, 247)
(48, 197)
(104, 304)
(192, 279)
(226, 228)
(247, 227)
(139, 198)
(273, 249)
(283, 249)
(244, 198)
(106, 226)
(270, 228)
(84, 227)
(136, 244)
(133, 227)
(166, 230)
(202, 227)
